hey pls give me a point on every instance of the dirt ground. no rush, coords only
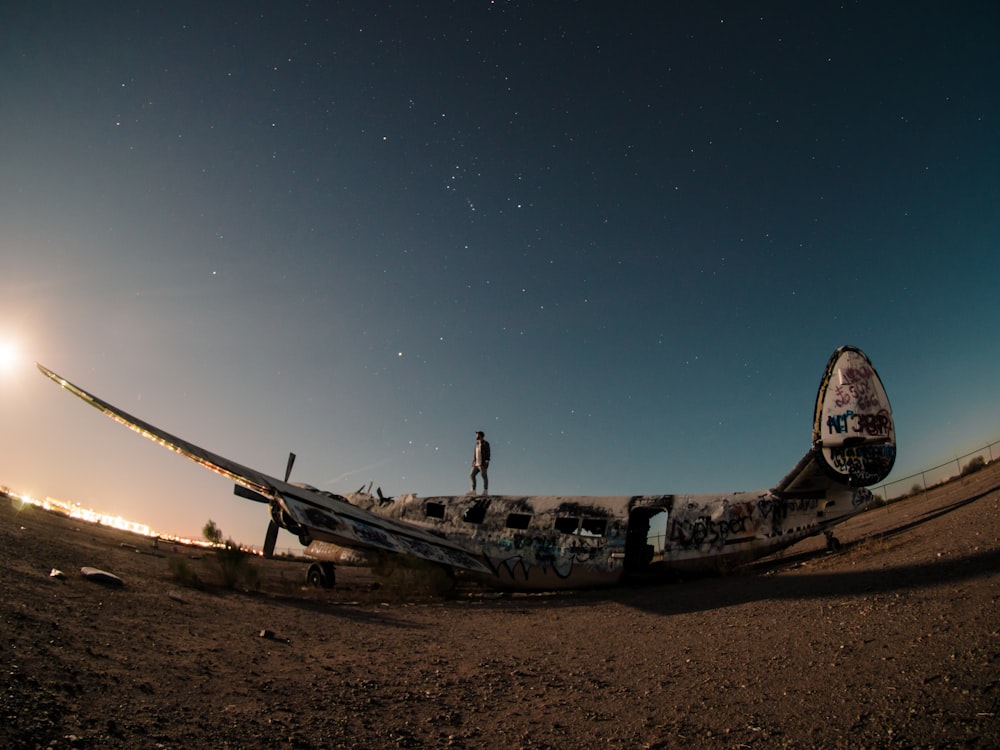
(894, 642)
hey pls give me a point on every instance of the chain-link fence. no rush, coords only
(936, 474)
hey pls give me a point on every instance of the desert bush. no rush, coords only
(234, 562)
(236, 568)
(212, 532)
(973, 466)
(183, 573)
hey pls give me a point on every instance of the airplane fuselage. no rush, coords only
(546, 543)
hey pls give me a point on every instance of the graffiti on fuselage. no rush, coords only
(556, 553)
(712, 527)
(864, 464)
(695, 527)
(857, 388)
(410, 545)
(516, 538)
(859, 423)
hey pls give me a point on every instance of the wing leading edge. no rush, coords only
(325, 516)
(240, 474)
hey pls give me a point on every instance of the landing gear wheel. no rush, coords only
(832, 543)
(321, 575)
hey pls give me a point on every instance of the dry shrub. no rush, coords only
(183, 573)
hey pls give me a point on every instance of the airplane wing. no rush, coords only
(325, 516)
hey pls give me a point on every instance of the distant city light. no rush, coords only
(76, 511)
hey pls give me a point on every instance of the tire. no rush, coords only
(321, 576)
(315, 577)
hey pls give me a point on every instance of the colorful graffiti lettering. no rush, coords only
(778, 509)
(876, 425)
(544, 554)
(860, 395)
(863, 464)
(699, 528)
(704, 530)
(861, 373)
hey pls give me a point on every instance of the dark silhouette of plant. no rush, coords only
(973, 466)
(212, 532)
(234, 562)
(183, 573)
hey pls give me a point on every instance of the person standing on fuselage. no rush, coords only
(481, 462)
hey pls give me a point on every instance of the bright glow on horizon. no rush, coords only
(9, 356)
(78, 512)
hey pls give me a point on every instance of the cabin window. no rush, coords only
(476, 512)
(434, 510)
(593, 526)
(518, 520)
(565, 525)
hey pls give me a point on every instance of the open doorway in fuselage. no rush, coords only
(645, 538)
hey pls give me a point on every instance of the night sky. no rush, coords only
(621, 239)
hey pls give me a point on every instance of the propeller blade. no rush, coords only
(271, 539)
(272, 528)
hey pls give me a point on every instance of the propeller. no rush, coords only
(271, 538)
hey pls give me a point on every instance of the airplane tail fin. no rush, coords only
(854, 438)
